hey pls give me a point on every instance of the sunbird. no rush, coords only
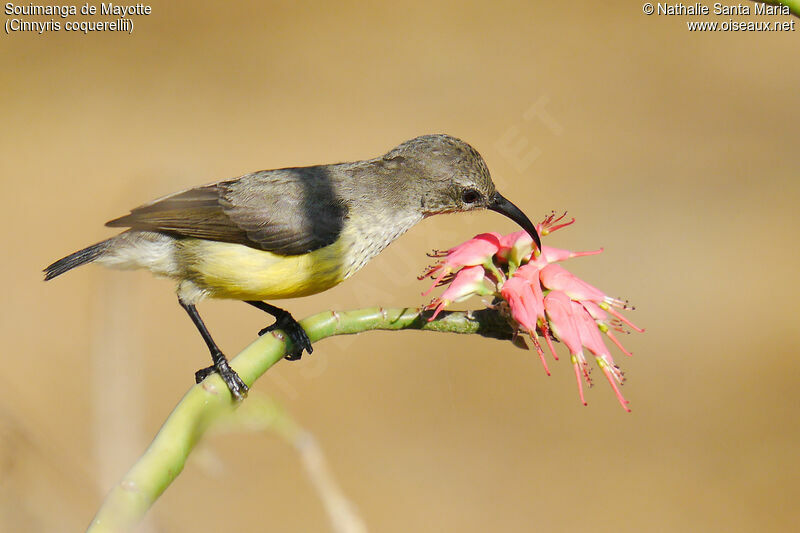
(293, 232)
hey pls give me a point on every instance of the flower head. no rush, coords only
(539, 297)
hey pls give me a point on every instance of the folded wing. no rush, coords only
(288, 211)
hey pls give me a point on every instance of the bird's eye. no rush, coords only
(470, 196)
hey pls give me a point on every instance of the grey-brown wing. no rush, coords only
(288, 211)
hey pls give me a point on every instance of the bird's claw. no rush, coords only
(229, 376)
(267, 329)
(296, 334)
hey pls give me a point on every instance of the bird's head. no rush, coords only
(447, 175)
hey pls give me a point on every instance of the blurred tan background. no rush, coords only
(676, 151)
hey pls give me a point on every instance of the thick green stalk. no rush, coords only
(164, 459)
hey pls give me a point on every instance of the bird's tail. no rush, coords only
(81, 257)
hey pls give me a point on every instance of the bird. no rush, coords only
(291, 232)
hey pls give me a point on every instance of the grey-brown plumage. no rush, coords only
(293, 231)
(293, 211)
(289, 211)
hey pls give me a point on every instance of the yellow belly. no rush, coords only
(235, 271)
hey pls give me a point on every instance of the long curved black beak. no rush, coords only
(504, 207)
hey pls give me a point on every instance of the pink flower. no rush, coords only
(556, 277)
(526, 304)
(605, 325)
(530, 272)
(538, 297)
(564, 326)
(550, 224)
(476, 251)
(517, 249)
(591, 339)
(468, 282)
(556, 255)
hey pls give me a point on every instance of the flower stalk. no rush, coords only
(129, 500)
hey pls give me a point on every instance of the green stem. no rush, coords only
(129, 500)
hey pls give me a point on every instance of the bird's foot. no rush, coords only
(300, 341)
(229, 376)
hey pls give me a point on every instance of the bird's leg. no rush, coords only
(229, 376)
(286, 322)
